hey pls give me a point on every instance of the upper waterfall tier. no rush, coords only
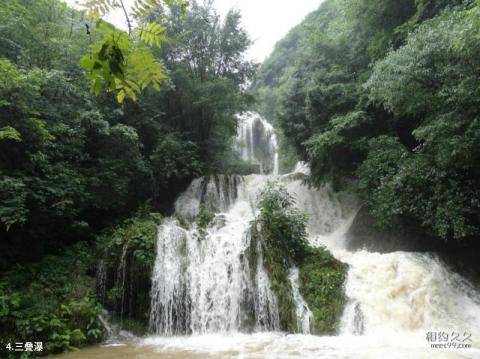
(257, 142)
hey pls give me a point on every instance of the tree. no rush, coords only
(73, 163)
(438, 178)
(207, 69)
(383, 101)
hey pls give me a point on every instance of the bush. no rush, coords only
(284, 224)
(128, 254)
(52, 301)
(204, 217)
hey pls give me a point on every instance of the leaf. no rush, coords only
(98, 8)
(152, 34)
(121, 62)
(9, 133)
(87, 62)
(121, 96)
(97, 86)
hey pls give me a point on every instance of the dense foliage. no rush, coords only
(72, 163)
(321, 283)
(281, 230)
(382, 97)
(52, 301)
(59, 301)
(285, 224)
(126, 255)
(204, 217)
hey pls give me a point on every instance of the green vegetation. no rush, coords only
(321, 282)
(283, 238)
(73, 164)
(283, 222)
(277, 267)
(282, 234)
(204, 217)
(59, 300)
(381, 97)
(52, 301)
(123, 61)
(127, 253)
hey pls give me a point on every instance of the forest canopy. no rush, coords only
(73, 162)
(381, 97)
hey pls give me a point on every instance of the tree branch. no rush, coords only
(129, 23)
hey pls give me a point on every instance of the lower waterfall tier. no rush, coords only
(238, 274)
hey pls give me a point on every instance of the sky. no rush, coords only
(266, 21)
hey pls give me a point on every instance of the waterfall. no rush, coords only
(257, 143)
(170, 311)
(120, 282)
(204, 280)
(101, 280)
(217, 192)
(406, 292)
(266, 306)
(304, 315)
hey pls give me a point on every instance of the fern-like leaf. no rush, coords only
(99, 8)
(152, 34)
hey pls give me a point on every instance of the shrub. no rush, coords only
(284, 224)
(52, 301)
(128, 254)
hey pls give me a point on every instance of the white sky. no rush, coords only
(267, 21)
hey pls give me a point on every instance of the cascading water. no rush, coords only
(203, 282)
(304, 315)
(266, 306)
(406, 292)
(101, 279)
(120, 282)
(257, 142)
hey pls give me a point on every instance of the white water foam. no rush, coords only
(202, 282)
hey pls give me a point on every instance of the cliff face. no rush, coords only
(365, 233)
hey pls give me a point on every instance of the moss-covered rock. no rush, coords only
(277, 265)
(281, 231)
(128, 253)
(321, 282)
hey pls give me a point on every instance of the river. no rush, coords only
(275, 345)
